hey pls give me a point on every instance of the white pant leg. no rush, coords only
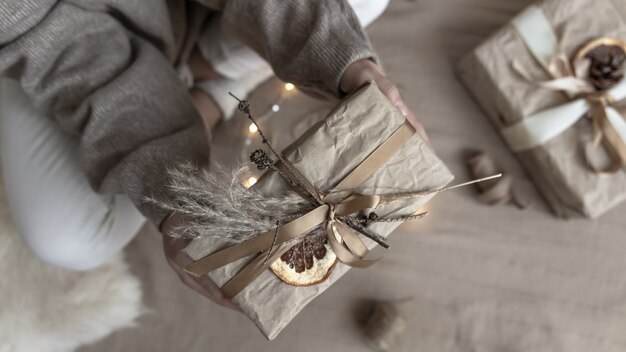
(368, 10)
(232, 59)
(62, 219)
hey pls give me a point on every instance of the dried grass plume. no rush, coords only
(215, 203)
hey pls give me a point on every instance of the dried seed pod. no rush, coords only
(365, 220)
(260, 158)
(498, 191)
(607, 65)
(384, 326)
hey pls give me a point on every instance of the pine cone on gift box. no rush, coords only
(607, 66)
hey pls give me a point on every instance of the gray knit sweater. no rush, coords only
(104, 71)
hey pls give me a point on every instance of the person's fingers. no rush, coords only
(178, 259)
(203, 285)
(419, 128)
(206, 106)
(365, 70)
(200, 68)
(393, 94)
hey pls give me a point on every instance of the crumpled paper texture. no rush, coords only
(324, 155)
(557, 167)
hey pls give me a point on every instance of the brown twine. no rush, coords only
(497, 191)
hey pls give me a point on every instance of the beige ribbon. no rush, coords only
(343, 240)
(605, 131)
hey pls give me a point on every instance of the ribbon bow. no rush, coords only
(609, 127)
(333, 210)
(608, 123)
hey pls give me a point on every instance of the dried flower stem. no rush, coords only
(244, 106)
(215, 205)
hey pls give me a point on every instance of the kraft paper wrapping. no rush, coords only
(557, 167)
(324, 155)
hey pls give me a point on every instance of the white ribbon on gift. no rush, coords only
(539, 128)
(537, 34)
(543, 126)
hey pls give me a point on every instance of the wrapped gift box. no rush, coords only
(557, 166)
(324, 155)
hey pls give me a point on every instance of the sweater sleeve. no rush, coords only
(112, 89)
(309, 43)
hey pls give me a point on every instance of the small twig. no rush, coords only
(292, 216)
(353, 223)
(483, 179)
(401, 218)
(389, 198)
(373, 236)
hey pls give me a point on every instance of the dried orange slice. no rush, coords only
(307, 263)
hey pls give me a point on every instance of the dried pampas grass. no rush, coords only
(215, 203)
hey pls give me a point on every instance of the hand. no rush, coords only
(362, 71)
(177, 259)
(206, 106)
(208, 110)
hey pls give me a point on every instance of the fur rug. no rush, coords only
(49, 309)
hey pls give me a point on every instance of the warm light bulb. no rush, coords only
(289, 86)
(253, 128)
(250, 181)
(275, 107)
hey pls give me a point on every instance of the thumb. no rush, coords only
(393, 94)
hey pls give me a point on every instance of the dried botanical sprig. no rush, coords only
(215, 203)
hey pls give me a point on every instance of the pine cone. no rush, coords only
(607, 66)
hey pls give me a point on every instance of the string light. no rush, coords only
(286, 92)
(250, 181)
(274, 108)
(252, 128)
(276, 104)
